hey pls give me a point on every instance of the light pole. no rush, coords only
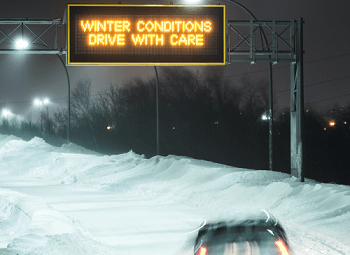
(157, 106)
(40, 103)
(270, 115)
(22, 44)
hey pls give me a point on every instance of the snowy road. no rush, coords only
(128, 225)
(69, 200)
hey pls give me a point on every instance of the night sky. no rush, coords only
(326, 61)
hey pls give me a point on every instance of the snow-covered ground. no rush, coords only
(69, 200)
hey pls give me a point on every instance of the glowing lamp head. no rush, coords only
(5, 113)
(332, 123)
(21, 44)
(264, 117)
(192, 1)
(37, 102)
(46, 101)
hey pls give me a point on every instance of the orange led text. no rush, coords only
(105, 26)
(107, 39)
(174, 33)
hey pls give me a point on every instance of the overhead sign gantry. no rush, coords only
(117, 34)
(167, 35)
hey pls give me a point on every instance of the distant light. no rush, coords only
(332, 123)
(307, 110)
(109, 127)
(38, 102)
(345, 122)
(5, 113)
(324, 128)
(21, 44)
(283, 113)
(264, 117)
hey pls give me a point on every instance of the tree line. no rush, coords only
(201, 116)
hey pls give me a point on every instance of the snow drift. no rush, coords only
(35, 219)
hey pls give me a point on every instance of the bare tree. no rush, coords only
(83, 105)
(254, 96)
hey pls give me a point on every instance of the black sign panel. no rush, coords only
(146, 34)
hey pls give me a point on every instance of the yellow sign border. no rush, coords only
(143, 64)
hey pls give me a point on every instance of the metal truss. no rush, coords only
(261, 41)
(42, 35)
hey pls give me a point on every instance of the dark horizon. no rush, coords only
(26, 77)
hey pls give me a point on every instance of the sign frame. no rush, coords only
(221, 55)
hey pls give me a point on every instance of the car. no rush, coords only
(252, 236)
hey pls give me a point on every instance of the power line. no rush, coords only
(337, 56)
(305, 62)
(328, 99)
(313, 84)
(319, 101)
(335, 24)
(286, 90)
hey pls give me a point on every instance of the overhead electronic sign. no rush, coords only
(116, 34)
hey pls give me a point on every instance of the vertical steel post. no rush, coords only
(65, 35)
(41, 119)
(48, 119)
(271, 98)
(300, 76)
(297, 104)
(55, 42)
(157, 106)
(270, 117)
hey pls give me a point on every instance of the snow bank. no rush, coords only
(25, 221)
(310, 210)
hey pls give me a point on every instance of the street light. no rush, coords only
(40, 103)
(270, 117)
(21, 44)
(5, 113)
(264, 117)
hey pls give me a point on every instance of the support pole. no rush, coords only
(297, 106)
(300, 69)
(270, 118)
(157, 106)
(41, 120)
(270, 85)
(68, 126)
